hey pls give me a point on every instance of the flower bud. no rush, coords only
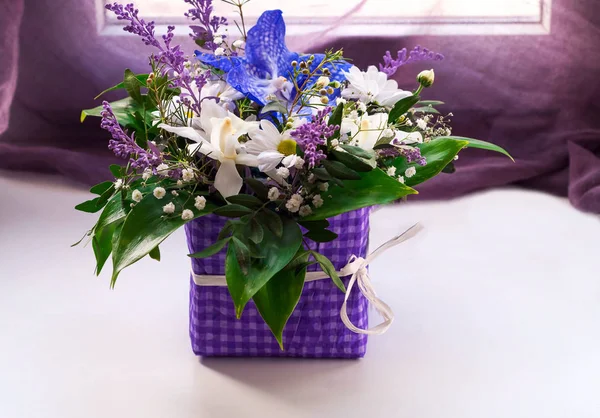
(325, 100)
(322, 81)
(425, 78)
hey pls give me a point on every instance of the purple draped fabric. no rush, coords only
(534, 95)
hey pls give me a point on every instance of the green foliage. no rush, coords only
(96, 204)
(278, 298)
(438, 153)
(246, 200)
(374, 188)
(141, 78)
(258, 187)
(476, 143)
(232, 211)
(354, 162)
(246, 277)
(212, 249)
(329, 269)
(321, 235)
(155, 254)
(336, 119)
(340, 170)
(146, 226)
(401, 107)
(133, 86)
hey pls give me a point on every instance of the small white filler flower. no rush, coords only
(169, 208)
(200, 202)
(273, 194)
(137, 196)
(159, 192)
(187, 215)
(410, 171)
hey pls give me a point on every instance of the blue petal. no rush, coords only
(221, 63)
(242, 79)
(265, 46)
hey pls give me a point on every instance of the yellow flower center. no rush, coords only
(287, 147)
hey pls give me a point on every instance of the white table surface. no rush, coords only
(497, 309)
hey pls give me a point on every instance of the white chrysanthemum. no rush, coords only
(169, 208)
(187, 215)
(391, 171)
(147, 174)
(187, 174)
(410, 171)
(271, 147)
(159, 192)
(305, 210)
(200, 202)
(294, 203)
(273, 194)
(323, 187)
(401, 179)
(365, 131)
(317, 201)
(372, 86)
(162, 170)
(283, 172)
(118, 184)
(137, 196)
(421, 124)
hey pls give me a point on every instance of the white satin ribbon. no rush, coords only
(357, 269)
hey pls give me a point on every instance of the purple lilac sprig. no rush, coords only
(123, 145)
(391, 65)
(310, 136)
(413, 154)
(170, 55)
(208, 24)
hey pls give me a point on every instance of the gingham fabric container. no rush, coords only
(314, 329)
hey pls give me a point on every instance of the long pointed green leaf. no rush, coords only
(146, 226)
(477, 143)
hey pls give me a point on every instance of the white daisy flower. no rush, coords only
(372, 86)
(271, 147)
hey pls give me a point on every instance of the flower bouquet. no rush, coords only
(271, 160)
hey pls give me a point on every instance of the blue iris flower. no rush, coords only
(267, 58)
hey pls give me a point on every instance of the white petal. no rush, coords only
(228, 181)
(247, 160)
(184, 132)
(269, 160)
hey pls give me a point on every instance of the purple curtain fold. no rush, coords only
(534, 95)
(10, 19)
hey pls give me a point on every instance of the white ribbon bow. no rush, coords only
(357, 269)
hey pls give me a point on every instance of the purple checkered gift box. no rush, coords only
(314, 329)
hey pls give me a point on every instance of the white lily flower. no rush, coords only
(365, 131)
(217, 135)
(372, 86)
(271, 147)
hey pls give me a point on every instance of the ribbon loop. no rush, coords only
(357, 269)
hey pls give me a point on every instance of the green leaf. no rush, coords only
(277, 253)
(102, 245)
(226, 231)
(310, 225)
(438, 153)
(476, 143)
(277, 299)
(401, 107)
(145, 227)
(353, 162)
(431, 103)
(272, 221)
(374, 188)
(114, 211)
(211, 250)
(340, 171)
(245, 200)
(133, 86)
(155, 253)
(329, 269)
(426, 109)
(116, 170)
(140, 77)
(232, 211)
(258, 187)
(358, 151)
(99, 189)
(274, 106)
(336, 119)
(124, 111)
(242, 254)
(96, 204)
(321, 235)
(257, 233)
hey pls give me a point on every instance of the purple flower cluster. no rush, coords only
(391, 65)
(172, 56)
(208, 24)
(310, 136)
(413, 154)
(125, 146)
